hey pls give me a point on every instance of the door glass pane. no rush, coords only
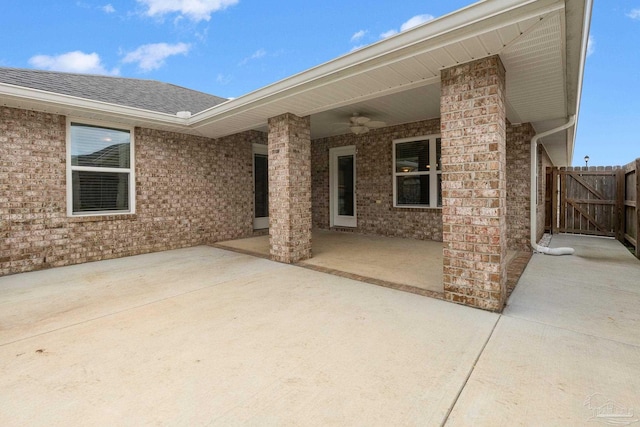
(345, 186)
(261, 182)
(413, 190)
(438, 153)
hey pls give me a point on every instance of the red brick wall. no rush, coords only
(543, 163)
(518, 186)
(374, 181)
(189, 191)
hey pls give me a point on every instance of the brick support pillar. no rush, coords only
(474, 221)
(290, 188)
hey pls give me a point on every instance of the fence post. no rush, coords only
(620, 182)
(637, 215)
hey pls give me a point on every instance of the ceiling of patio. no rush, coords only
(532, 56)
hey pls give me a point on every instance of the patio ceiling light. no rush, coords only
(359, 130)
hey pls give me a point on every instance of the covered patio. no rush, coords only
(409, 265)
(429, 135)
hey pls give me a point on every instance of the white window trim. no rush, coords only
(130, 170)
(433, 183)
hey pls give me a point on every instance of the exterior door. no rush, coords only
(260, 187)
(342, 185)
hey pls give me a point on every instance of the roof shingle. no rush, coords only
(145, 94)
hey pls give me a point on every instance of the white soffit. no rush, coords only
(536, 87)
(401, 69)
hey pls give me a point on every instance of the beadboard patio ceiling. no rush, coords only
(542, 44)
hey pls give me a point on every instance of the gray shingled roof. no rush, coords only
(146, 94)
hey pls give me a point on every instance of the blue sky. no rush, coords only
(231, 47)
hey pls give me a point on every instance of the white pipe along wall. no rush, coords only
(534, 192)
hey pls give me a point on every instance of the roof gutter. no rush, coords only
(533, 196)
(61, 101)
(571, 123)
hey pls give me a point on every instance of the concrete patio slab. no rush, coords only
(567, 346)
(404, 261)
(595, 292)
(267, 344)
(42, 301)
(411, 262)
(406, 264)
(532, 374)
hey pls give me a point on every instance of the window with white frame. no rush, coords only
(100, 172)
(417, 175)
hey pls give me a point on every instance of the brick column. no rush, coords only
(472, 110)
(290, 188)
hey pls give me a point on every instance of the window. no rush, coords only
(417, 173)
(99, 169)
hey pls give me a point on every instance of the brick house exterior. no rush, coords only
(194, 172)
(180, 180)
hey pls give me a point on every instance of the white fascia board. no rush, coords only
(86, 105)
(459, 25)
(584, 37)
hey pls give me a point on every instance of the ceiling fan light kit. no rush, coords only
(359, 130)
(361, 124)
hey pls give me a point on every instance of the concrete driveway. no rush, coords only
(204, 336)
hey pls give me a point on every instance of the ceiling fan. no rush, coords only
(361, 124)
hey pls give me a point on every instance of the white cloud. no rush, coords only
(202, 35)
(196, 10)
(260, 53)
(108, 8)
(73, 62)
(223, 79)
(357, 36)
(634, 14)
(414, 21)
(591, 46)
(387, 34)
(152, 56)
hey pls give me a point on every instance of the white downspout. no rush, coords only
(534, 192)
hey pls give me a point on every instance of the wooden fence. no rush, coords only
(601, 201)
(631, 205)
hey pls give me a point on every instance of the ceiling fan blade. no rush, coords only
(359, 120)
(375, 124)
